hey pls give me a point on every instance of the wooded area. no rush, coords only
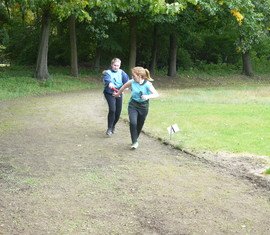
(157, 34)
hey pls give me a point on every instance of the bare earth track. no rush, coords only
(59, 174)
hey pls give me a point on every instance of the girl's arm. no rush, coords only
(120, 91)
(125, 77)
(153, 95)
(107, 79)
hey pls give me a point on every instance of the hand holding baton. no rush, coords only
(115, 91)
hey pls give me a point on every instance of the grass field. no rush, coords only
(18, 82)
(219, 114)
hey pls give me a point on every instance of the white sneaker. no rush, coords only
(109, 132)
(134, 145)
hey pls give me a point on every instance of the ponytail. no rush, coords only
(148, 76)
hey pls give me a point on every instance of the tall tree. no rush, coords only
(41, 72)
(133, 42)
(45, 8)
(153, 63)
(73, 47)
(73, 10)
(172, 55)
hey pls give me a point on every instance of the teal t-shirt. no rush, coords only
(116, 78)
(137, 90)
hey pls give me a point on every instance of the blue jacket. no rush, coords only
(118, 78)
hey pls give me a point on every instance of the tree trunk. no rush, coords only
(133, 42)
(73, 47)
(97, 58)
(7, 8)
(154, 50)
(247, 67)
(172, 55)
(23, 11)
(42, 60)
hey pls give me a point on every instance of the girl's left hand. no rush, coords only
(116, 94)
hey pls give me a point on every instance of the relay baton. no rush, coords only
(114, 89)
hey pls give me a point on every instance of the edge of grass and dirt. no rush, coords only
(246, 166)
(253, 167)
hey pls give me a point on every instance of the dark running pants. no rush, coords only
(137, 116)
(115, 108)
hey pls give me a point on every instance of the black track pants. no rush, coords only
(137, 116)
(115, 108)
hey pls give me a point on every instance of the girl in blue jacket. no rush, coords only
(141, 91)
(113, 79)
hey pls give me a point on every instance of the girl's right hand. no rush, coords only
(111, 85)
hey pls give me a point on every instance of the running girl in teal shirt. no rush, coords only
(141, 91)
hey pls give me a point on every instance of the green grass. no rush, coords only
(267, 171)
(31, 182)
(19, 82)
(231, 114)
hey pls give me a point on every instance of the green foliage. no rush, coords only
(260, 56)
(22, 45)
(2, 57)
(249, 19)
(204, 70)
(267, 171)
(48, 83)
(59, 54)
(208, 32)
(3, 15)
(184, 59)
(261, 65)
(219, 49)
(263, 48)
(113, 45)
(4, 37)
(74, 7)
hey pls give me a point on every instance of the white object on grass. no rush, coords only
(173, 129)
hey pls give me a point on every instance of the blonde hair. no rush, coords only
(115, 60)
(144, 73)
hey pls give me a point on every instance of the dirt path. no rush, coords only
(60, 174)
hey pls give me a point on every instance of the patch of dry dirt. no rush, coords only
(242, 165)
(60, 174)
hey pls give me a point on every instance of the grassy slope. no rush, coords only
(19, 82)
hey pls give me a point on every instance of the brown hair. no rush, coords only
(144, 73)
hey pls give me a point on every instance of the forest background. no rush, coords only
(168, 36)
